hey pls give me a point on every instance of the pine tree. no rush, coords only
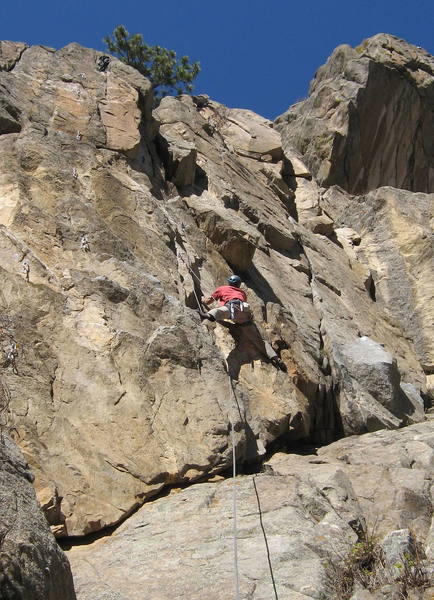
(159, 65)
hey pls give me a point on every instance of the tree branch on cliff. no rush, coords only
(166, 73)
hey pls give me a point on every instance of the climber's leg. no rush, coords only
(216, 314)
(220, 313)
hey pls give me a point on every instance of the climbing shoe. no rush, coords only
(279, 364)
(205, 315)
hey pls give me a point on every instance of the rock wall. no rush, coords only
(113, 220)
(368, 120)
(32, 566)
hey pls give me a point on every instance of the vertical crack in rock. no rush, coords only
(327, 424)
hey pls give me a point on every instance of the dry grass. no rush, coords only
(365, 567)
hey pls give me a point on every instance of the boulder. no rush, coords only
(31, 563)
(371, 380)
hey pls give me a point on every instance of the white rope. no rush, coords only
(180, 230)
(186, 261)
(234, 499)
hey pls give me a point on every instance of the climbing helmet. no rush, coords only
(234, 280)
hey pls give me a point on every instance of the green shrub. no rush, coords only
(364, 566)
(160, 65)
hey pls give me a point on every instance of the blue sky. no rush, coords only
(257, 55)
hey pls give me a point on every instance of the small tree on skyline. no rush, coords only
(166, 73)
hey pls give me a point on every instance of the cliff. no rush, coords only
(115, 217)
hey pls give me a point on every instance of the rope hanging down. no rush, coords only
(102, 64)
(234, 498)
(187, 263)
(232, 396)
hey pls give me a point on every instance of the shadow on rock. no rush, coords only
(249, 346)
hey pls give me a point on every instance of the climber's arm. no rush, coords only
(207, 301)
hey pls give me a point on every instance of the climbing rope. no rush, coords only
(232, 399)
(270, 566)
(234, 498)
(187, 263)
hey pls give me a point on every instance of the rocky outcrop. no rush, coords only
(32, 566)
(372, 395)
(368, 120)
(113, 221)
(294, 521)
(392, 236)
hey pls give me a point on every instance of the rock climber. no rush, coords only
(233, 303)
(234, 306)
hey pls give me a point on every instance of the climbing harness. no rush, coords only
(239, 311)
(234, 305)
(102, 63)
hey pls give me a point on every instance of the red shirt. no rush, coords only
(224, 293)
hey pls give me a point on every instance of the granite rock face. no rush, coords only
(299, 515)
(368, 120)
(32, 566)
(113, 219)
(394, 239)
